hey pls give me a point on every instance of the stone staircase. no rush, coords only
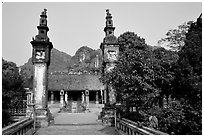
(73, 107)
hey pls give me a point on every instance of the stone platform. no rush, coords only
(76, 124)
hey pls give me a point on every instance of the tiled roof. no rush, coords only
(74, 82)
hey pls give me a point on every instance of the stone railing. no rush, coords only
(17, 114)
(23, 127)
(128, 127)
(17, 111)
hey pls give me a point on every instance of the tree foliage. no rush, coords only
(163, 67)
(160, 82)
(12, 88)
(175, 37)
(188, 82)
(133, 76)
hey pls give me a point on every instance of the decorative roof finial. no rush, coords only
(107, 12)
(44, 12)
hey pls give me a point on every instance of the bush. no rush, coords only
(6, 118)
(177, 118)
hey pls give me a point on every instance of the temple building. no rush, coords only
(74, 87)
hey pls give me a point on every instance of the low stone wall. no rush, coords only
(128, 127)
(23, 127)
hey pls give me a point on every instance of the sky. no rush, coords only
(73, 25)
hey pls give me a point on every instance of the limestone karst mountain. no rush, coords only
(85, 60)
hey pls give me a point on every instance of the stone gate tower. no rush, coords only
(41, 61)
(110, 51)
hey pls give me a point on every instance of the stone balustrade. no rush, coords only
(23, 127)
(128, 127)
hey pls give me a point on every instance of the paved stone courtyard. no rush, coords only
(77, 130)
(76, 124)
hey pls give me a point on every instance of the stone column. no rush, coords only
(96, 97)
(87, 99)
(52, 97)
(62, 98)
(41, 60)
(66, 97)
(105, 96)
(112, 96)
(101, 96)
(42, 113)
(30, 104)
(29, 96)
(82, 97)
(40, 85)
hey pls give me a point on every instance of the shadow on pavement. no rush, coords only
(109, 131)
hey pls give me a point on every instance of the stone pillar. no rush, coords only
(101, 96)
(96, 97)
(62, 98)
(52, 97)
(105, 96)
(41, 95)
(66, 97)
(111, 95)
(82, 97)
(87, 99)
(41, 60)
(40, 88)
(29, 97)
(110, 59)
(30, 104)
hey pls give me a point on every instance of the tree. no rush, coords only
(12, 88)
(163, 66)
(130, 40)
(175, 37)
(188, 82)
(145, 77)
(133, 75)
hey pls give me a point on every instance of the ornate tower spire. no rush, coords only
(110, 52)
(109, 29)
(42, 28)
(41, 61)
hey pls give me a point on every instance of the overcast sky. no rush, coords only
(73, 25)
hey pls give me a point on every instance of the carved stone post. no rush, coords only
(82, 97)
(87, 99)
(101, 96)
(110, 52)
(62, 98)
(96, 97)
(66, 97)
(112, 96)
(52, 97)
(105, 96)
(30, 104)
(41, 61)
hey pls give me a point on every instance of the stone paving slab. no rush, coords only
(77, 130)
(76, 118)
(54, 111)
(76, 124)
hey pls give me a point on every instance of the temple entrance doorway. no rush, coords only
(74, 95)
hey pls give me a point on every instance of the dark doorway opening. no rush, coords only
(74, 95)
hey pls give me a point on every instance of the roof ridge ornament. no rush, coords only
(44, 12)
(107, 12)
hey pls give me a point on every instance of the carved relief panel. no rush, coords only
(111, 53)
